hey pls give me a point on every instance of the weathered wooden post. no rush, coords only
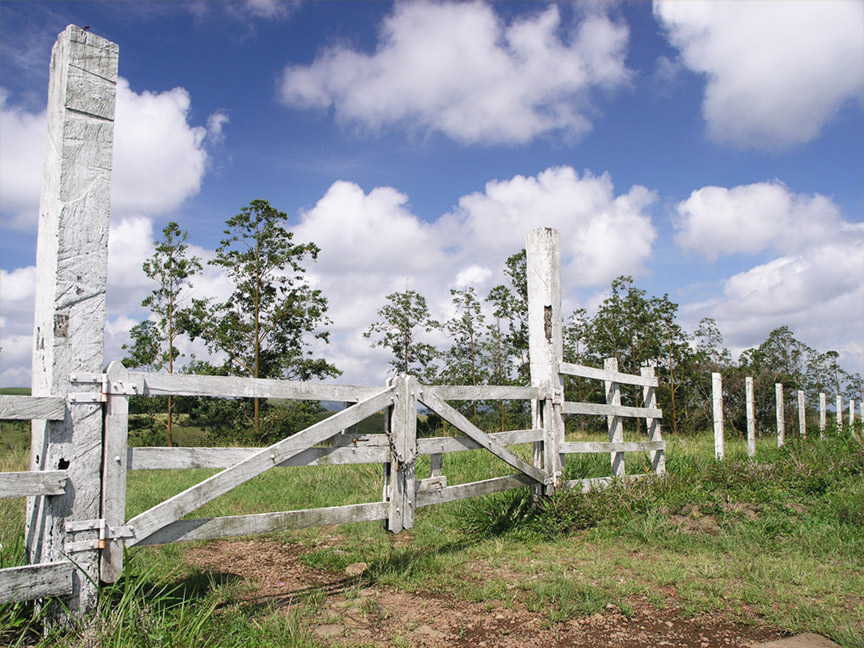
(546, 343)
(781, 414)
(114, 464)
(71, 268)
(649, 398)
(400, 477)
(717, 402)
(614, 423)
(751, 416)
(802, 415)
(839, 413)
(823, 412)
(851, 413)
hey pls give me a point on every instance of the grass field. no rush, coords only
(779, 538)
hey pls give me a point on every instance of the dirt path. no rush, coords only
(354, 613)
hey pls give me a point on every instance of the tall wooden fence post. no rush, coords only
(802, 415)
(649, 398)
(851, 413)
(614, 423)
(717, 402)
(751, 416)
(781, 414)
(823, 413)
(71, 268)
(546, 343)
(839, 413)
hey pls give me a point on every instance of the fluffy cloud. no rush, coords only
(602, 235)
(776, 71)
(159, 158)
(459, 69)
(814, 286)
(755, 217)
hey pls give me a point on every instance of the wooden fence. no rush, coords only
(780, 406)
(76, 527)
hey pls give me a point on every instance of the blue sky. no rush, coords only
(712, 150)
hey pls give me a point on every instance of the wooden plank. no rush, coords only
(182, 458)
(802, 414)
(237, 525)
(114, 466)
(160, 384)
(750, 407)
(598, 409)
(32, 408)
(33, 483)
(546, 346)
(613, 421)
(717, 404)
(71, 279)
(483, 392)
(605, 374)
(402, 474)
(438, 445)
(779, 404)
(839, 413)
(474, 489)
(455, 418)
(600, 447)
(195, 497)
(823, 411)
(36, 581)
(649, 397)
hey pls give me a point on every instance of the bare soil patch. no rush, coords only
(350, 611)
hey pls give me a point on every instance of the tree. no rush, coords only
(264, 325)
(510, 305)
(402, 319)
(153, 341)
(464, 362)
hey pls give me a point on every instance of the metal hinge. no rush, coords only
(108, 388)
(105, 533)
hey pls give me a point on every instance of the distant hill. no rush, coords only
(15, 391)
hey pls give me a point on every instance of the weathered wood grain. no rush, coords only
(71, 278)
(181, 458)
(750, 406)
(33, 483)
(236, 525)
(114, 466)
(823, 411)
(36, 581)
(781, 414)
(464, 491)
(455, 418)
(649, 397)
(195, 497)
(160, 384)
(613, 421)
(802, 414)
(438, 445)
(600, 447)
(717, 404)
(483, 392)
(604, 374)
(32, 408)
(546, 345)
(598, 409)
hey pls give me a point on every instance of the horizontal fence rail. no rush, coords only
(36, 581)
(33, 483)
(580, 371)
(32, 408)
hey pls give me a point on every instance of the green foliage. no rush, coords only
(401, 321)
(264, 325)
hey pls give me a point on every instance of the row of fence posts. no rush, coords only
(717, 400)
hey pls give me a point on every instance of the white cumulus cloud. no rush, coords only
(460, 69)
(815, 284)
(751, 218)
(776, 72)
